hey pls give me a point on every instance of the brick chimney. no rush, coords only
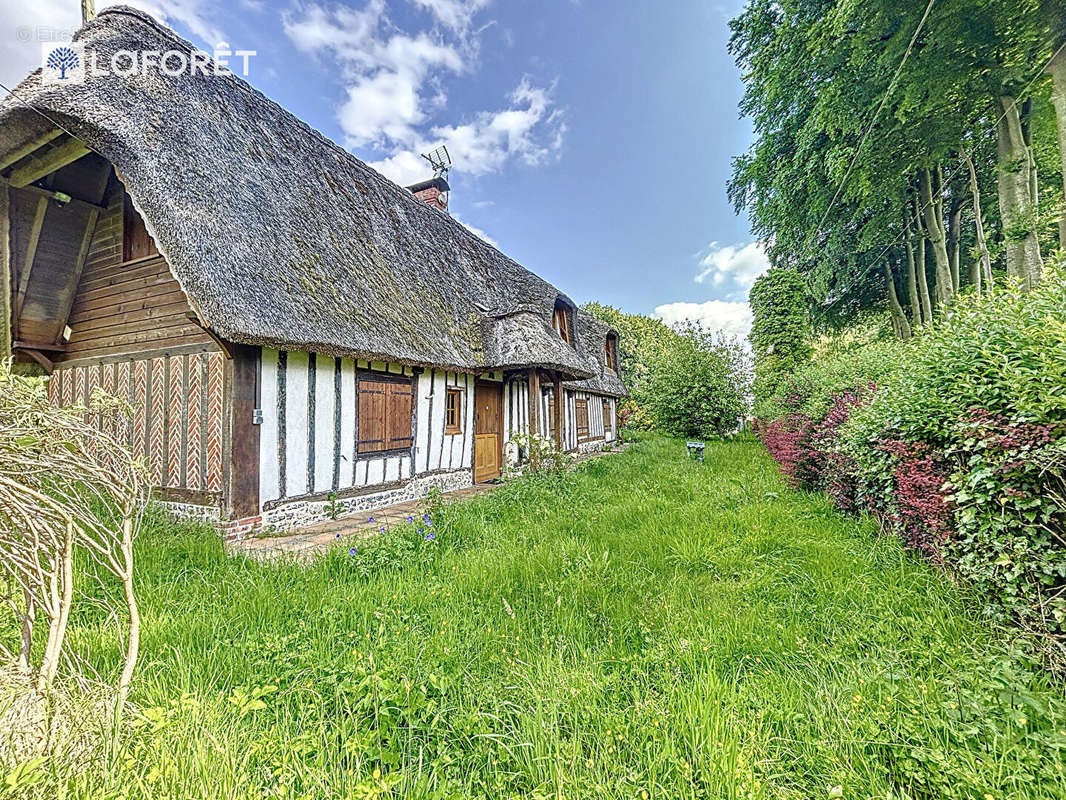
(434, 192)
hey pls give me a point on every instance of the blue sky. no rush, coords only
(592, 140)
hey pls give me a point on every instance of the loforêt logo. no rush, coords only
(64, 63)
(68, 62)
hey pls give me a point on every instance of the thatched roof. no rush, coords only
(590, 335)
(281, 238)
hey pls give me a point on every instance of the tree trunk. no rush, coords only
(983, 265)
(1016, 203)
(937, 238)
(954, 238)
(923, 279)
(917, 318)
(899, 319)
(1057, 70)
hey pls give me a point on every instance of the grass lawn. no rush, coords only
(644, 627)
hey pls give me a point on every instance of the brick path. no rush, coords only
(315, 540)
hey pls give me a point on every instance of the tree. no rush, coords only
(684, 382)
(780, 332)
(865, 116)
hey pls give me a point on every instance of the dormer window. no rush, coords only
(561, 322)
(610, 352)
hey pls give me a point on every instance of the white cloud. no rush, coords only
(405, 167)
(741, 264)
(388, 74)
(456, 14)
(192, 14)
(715, 315)
(393, 83)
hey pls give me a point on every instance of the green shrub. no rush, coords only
(843, 362)
(698, 385)
(960, 446)
(684, 381)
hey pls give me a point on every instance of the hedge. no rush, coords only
(955, 440)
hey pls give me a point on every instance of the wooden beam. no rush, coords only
(31, 252)
(241, 469)
(29, 147)
(62, 197)
(52, 347)
(228, 348)
(7, 328)
(39, 357)
(65, 153)
(66, 299)
(557, 401)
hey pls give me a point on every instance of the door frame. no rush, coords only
(497, 387)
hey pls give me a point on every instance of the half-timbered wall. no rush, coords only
(309, 436)
(177, 421)
(598, 432)
(515, 407)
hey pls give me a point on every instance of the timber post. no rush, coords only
(242, 457)
(534, 401)
(557, 401)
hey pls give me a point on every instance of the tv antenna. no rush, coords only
(440, 161)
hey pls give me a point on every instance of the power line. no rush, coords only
(899, 237)
(51, 121)
(870, 126)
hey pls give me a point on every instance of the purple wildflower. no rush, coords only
(370, 520)
(429, 536)
(352, 552)
(410, 518)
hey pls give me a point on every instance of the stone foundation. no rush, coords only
(192, 511)
(299, 513)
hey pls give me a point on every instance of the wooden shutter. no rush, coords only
(136, 243)
(607, 425)
(372, 396)
(398, 416)
(581, 419)
(384, 415)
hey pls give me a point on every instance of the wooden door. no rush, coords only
(488, 430)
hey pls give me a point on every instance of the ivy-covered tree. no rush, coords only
(780, 332)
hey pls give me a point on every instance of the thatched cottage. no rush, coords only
(290, 326)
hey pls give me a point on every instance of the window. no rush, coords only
(384, 415)
(610, 352)
(581, 419)
(136, 243)
(453, 404)
(608, 423)
(561, 322)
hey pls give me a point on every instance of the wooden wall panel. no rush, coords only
(176, 425)
(129, 307)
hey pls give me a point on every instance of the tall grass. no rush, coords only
(644, 627)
